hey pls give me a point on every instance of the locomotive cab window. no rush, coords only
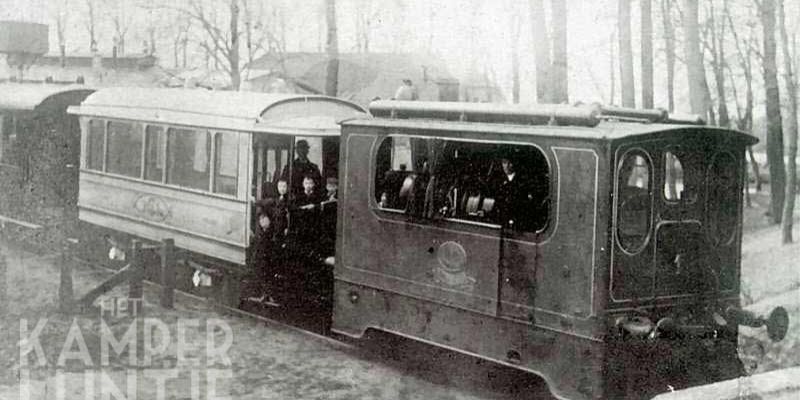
(635, 201)
(498, 184)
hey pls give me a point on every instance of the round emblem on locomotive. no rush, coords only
(450, 271)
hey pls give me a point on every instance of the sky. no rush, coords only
(466, 34)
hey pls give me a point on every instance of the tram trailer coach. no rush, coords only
(190, 165)
(611, 267)
(39, 153)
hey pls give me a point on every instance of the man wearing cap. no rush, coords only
(302, 167)
(518, 198)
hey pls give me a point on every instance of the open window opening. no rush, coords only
(492, 183)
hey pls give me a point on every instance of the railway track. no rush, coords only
(481, 378)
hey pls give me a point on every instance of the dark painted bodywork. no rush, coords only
(545, 302)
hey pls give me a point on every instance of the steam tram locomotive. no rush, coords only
(597, 248)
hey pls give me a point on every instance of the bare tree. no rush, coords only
(90, 24)
(541, 43)
(773, 107)
(699, 99)
(61, 10)
(715, 44)
(560, 89)
(647, 52)
(516, 26)
(745, 48)
(366, 15)
(625, 53)
(220, 37)
(669, 49)
(332, 49)
(117, 13)
(791, 129)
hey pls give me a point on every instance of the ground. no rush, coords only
(270, 361)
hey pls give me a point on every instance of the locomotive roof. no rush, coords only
(247, 111)
(605, 130)
(581, 121)
(28, 96)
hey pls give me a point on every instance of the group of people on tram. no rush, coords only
(510, 196)
(295, 228)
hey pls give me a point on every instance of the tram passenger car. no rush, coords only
(39, 153)
(612, 272)
(190, 164)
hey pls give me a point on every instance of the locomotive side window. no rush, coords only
(94, 160)
(188, 154)
(124, 149)
(634, 204)
(673, 177)
(226, 162)
(498, 184)
(722, 199)
(155, 142)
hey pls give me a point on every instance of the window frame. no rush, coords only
(141, 128)
(162, 150)
(104, 124)
(136, 126)
(209, 145)
(529, 236)
(214, 165)
(636, 250)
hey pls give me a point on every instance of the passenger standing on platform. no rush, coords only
(328, 220)
(300, 168)
(264, 258)
(305, 217)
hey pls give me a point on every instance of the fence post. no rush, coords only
(65, 292)
(168, 273)
(135, 291)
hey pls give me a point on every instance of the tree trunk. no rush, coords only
(332, 48)
(233, 57)
(515, 31)
(698, 87)
(647, 53)
(791, 130)
(559, 66)
(718, 48)
(613, 79)
(773, 105)
(626, 54)
(541, 44)
(669, 48)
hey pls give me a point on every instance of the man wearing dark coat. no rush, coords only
(520, 199)
(300, 168)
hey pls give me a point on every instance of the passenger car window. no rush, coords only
(124, 149)
(187, 155)
(499, 184)
(634, 201)
(723, 198)
(94, 160)
(155, 143)
(226, 164)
